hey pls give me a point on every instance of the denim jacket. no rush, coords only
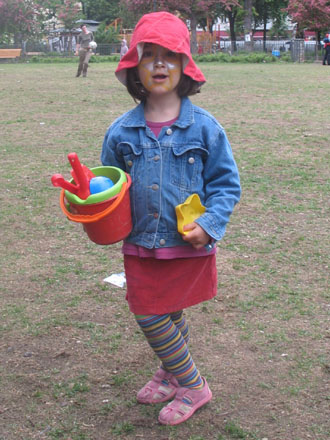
(191, 156)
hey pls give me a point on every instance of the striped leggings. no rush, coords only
(168, 336)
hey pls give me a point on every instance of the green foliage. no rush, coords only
(106, 34)
(253, 57)
(48, 59)
(44, 59)
(5, 38)
(286, 57)
(280, 27)
(101, 10)
(105, 59)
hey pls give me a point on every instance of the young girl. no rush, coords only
(171, 149)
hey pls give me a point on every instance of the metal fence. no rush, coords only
(108, 49)
(299, 50)
(44, 48)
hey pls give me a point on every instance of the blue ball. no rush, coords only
(99, 184)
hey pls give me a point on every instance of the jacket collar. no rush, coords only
(135, 118)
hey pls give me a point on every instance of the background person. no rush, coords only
(327, 54)
(326, 43)
(83, 50)
(123, 49)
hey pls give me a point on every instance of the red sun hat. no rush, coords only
(166, 30)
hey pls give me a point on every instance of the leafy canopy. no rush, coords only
(310, 14)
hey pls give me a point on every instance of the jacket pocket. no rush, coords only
(131, 155)
(187, 166)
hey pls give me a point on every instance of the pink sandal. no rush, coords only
(186, 402)
(162, 387)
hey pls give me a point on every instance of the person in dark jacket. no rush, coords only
(326, 44)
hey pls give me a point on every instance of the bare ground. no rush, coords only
(71, 356)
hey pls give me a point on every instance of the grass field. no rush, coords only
(71, 355)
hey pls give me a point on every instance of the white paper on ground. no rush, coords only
(117, 279)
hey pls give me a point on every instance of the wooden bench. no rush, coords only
(31, 54)
(10, 53)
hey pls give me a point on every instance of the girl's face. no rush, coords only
(159, 69)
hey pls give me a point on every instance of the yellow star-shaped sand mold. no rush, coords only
(189, 211)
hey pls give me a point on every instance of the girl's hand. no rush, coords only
(196, 236)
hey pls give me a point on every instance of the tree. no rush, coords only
(49, 8)
(248, 24)
(69, 13)
(310, 14)
(235, 15)
(193, 10)
(265, 10)
(106, 34)
(19, 19)
(101, 10)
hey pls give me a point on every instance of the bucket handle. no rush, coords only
(80, 218)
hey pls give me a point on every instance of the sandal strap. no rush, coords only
(162, 387)
(186, 402)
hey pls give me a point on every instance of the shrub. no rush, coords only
(242, 57)
(220, 57)
(105, 58)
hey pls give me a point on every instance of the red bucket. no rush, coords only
(106, 222)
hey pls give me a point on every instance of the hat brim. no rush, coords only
(132, 58)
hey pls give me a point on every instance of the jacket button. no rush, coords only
(130, 163)
(169, 131)
(191, 160)
(155, 187)
(156, 158)
(162, 242)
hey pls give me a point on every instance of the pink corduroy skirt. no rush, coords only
(157, 287)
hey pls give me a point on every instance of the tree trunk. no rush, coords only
(231, 17)
(248, 25)
(265, 19)
(70, 43)
(193, 26)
